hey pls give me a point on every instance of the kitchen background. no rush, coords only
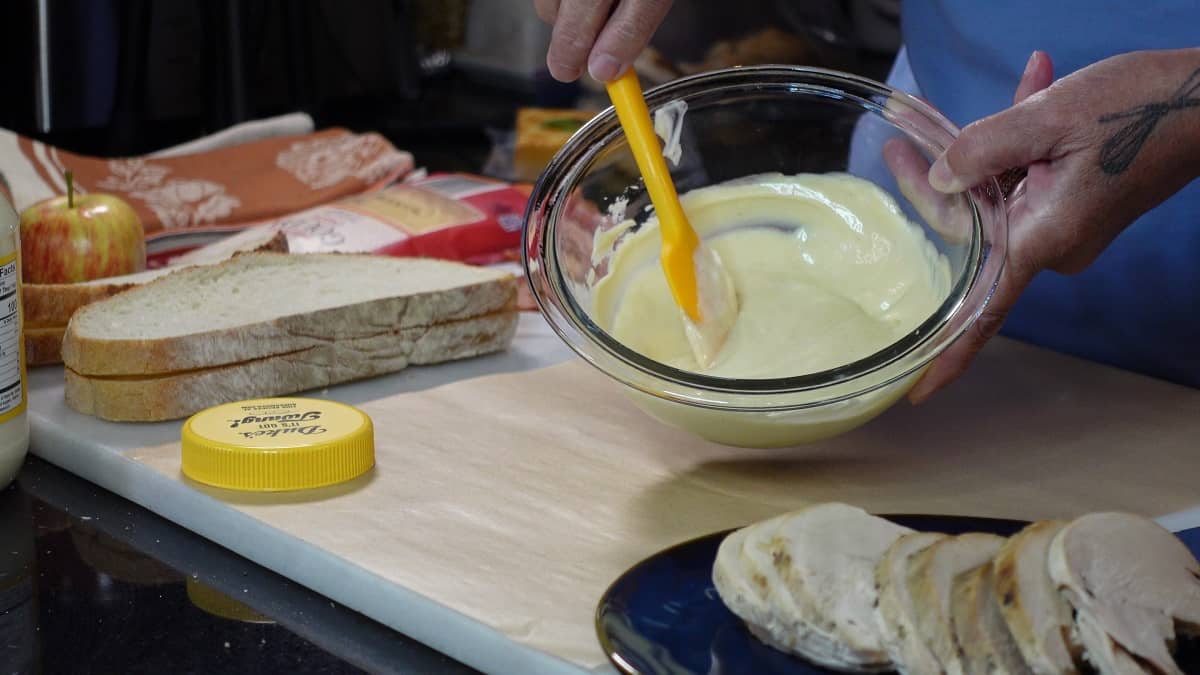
(122, 77)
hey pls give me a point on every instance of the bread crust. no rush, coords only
(53, 305)
(43, 346)
(174, 396)
(96, 356)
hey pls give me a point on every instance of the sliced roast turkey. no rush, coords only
(987, 645)
(1036, 613)
(896, 616)
(931, 576)
(1131, 583)
(813, 572)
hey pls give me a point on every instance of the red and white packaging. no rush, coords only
(451, 216)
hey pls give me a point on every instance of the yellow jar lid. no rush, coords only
(278, 444)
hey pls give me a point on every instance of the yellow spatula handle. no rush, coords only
(679, 240)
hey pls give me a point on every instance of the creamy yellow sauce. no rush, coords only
(827, 269)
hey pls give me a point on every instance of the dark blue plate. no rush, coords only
(663, 616)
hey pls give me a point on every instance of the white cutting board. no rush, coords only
(1016, 430)
(96, 451)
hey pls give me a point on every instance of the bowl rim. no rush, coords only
(972, 289)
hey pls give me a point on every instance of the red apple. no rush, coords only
(79, 238)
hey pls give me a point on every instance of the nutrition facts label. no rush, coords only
(11, 391)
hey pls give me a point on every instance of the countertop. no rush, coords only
(91, 582)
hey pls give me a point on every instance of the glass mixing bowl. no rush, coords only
(740, 122)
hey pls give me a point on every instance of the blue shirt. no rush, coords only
(1138, 306)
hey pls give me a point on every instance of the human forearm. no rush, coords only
(1101, 147)
(1163, 130)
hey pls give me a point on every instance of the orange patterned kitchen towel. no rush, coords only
(215, 191)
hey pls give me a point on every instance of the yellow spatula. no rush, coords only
(699, 283)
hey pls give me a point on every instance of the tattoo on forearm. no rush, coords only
(1119, 151)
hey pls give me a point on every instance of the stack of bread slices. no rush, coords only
(270, 324)
(48, 308)
(1107, 592)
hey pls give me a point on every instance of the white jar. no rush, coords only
(14, 423)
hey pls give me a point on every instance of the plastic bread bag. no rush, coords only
(451, 216)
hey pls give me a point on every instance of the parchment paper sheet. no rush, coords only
(516, 499)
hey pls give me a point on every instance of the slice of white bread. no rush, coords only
(896, 617)
(53, 305)
(987, 645)
(810, 576)
(173, 396)
(1036, 614)
(931, 576)
(266, 304)
(1131, 583)
(260, 238)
